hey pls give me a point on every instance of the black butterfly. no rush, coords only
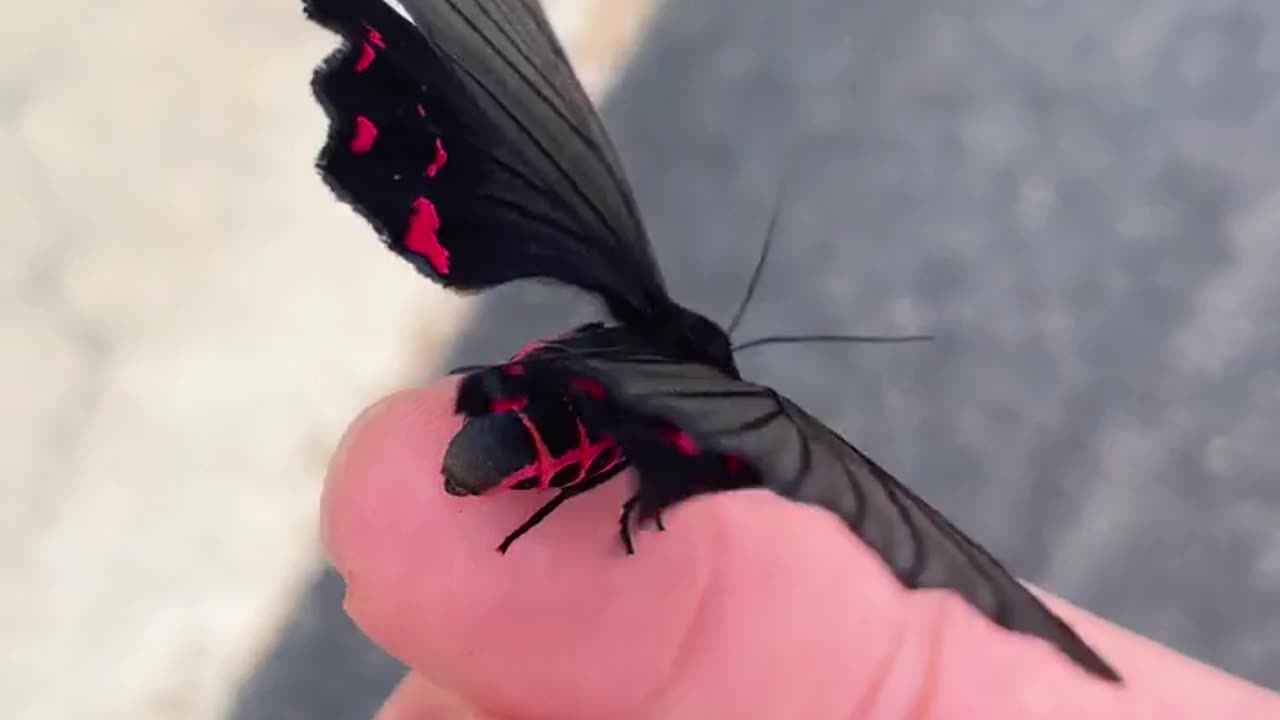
(465, 139)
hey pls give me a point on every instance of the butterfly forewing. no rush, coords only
(464, 137)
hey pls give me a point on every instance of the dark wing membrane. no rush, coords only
(465, 139)
(922, 547)
(795, 455)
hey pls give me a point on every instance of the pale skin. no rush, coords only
(746, 607)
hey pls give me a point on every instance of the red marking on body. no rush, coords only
(513, 369)
(364, 135)
(375, 37)
(421, 236)
(590, 387)
(545, 466)
(682, 442)
(422, 112)
(731, 464)
(505, 404)
(440, 159)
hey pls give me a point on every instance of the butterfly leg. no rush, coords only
(624, 524)
(550, 507)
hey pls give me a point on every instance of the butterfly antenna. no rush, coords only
(803, 339)
(764, 254)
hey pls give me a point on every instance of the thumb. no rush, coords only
(748, 607)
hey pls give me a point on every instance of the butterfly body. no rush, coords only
(462, 135)
(524, 431)
(533, 426)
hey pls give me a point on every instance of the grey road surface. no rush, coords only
(1081, 200)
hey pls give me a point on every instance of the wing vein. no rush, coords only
(595, 143)
(746, 427)
(806, 453)
(533, 137)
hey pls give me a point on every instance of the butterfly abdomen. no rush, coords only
(525, 434)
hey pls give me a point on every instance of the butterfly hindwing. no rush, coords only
(465, 139)
(689, 429)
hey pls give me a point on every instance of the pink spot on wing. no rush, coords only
(440, 159)
(683, 442)
(421, 236)
(364, 135)
(422, 112)
(366, 58)
(590, 387)
(367, 53)
(505, 404)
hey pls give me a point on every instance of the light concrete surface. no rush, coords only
(187, 322)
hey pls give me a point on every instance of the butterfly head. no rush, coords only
(704, 340)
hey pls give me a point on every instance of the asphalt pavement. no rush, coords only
(1080, 200)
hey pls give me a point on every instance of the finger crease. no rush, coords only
(930, 630)
(681, 655)
(866, 700)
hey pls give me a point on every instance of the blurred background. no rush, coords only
(1081, 200)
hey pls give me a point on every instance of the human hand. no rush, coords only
(747, 607)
